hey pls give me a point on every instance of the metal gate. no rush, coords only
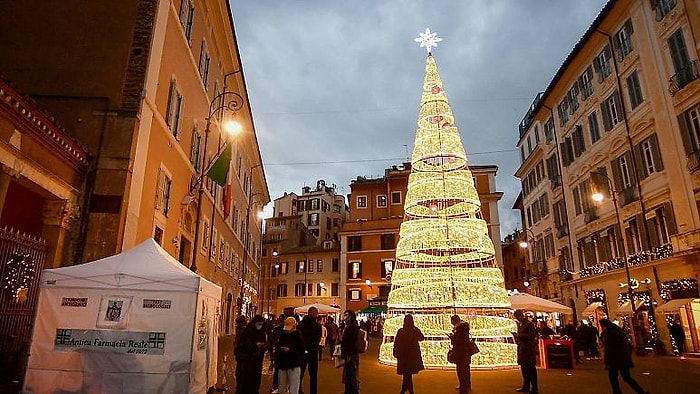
(21, 261)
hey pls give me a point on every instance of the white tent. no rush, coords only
(322, 309)
(532, 303)
(136, 322)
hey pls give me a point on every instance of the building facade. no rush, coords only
(619, 121)
(368, 240)
(144, 86)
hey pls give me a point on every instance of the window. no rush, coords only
(196, 150)
(553, 171)
(387, 241)
(319, 289)
(187, 17)
(549, 250)
(572, 96)
(300, 290)
(203, 66)
(313, 219)
(334, 290)
(622, 42)
(567, 151)
(319, 265)
(158, 235)
(634, 89)
(282, 290)
(310, 265)
(315, 204)
(662, 7)
(362, 201)
(335, 265)
(163, 191)
(689, 123)
(381, 200)
(563, 110)
(284, 268)
(522, 153)
(560, 218)
(300, 266)
(593, 127)
(537, 135)
(648, 151)
(173, 110)
(355, 294)
(355, 270)
(585, 83)
(387, 268)
(684, 70)
(354, 243)
(601, 64)
(612, 111)
(529, 145)
(549, 130)
(205, 234)
(623, 174)
(336, 208)
(579, 143)
(395, 198)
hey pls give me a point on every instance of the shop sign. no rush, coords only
(126, 342)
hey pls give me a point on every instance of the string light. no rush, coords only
(669, 286)
(20, 274)
(445, 260)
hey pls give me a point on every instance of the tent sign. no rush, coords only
(127, 342)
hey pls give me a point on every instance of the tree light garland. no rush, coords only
(20, 274)
(445, 260)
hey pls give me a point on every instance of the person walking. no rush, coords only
(274, 339)
(526, 339)
(348, 351)
(463, 359)
(311, 332)
(409, 360)
(570, 331)
(678, 335)
(251, 351)
(290, 356)
(618, 356)
(454, 320)
(240, 325)
(323, 342)
(332, 339)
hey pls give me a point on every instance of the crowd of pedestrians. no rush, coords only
(296, 345)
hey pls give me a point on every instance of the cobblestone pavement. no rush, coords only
(657, 374)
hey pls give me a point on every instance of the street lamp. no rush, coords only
(226, 101)
(601, 178)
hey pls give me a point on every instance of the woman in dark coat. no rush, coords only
(618, 356)
(407, 353)
(526, 338)
(462, 358)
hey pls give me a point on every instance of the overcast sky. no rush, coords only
(335, 85)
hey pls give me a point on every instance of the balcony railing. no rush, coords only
(693, 161)
(683, 77)
(617, 263)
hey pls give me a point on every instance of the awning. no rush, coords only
(626, 308)
(590, 309)
(674, 305)
(528, 302)
(374, 310)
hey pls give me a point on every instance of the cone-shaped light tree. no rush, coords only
(445, 259)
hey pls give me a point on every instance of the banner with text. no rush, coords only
(128, 342)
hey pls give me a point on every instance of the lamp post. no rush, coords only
(526, 246)
(226, 101)
(600, 177)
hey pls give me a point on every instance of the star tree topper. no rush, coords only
(428, 39)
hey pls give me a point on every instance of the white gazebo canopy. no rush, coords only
(322, 309)
(532, 303)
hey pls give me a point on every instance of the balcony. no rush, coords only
(618, 263)
(683, 77)
(693, 161)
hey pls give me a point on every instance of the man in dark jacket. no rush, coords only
(526, 338)
(251, 352)
(311, 332)
(618, 356)
(349, 353)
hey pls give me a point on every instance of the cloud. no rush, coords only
(335, 85)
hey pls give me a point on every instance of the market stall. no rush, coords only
(136, 322)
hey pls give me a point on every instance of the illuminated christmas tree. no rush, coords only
(445, 259)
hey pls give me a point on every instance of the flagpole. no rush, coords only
(234, 103)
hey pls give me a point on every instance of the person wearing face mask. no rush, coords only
(311, 332)
(251, 351)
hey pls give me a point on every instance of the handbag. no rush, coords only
(472, 349)
(451, 357)
(337, 359)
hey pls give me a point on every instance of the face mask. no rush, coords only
(258, 326)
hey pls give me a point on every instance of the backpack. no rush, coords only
(361, 343)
